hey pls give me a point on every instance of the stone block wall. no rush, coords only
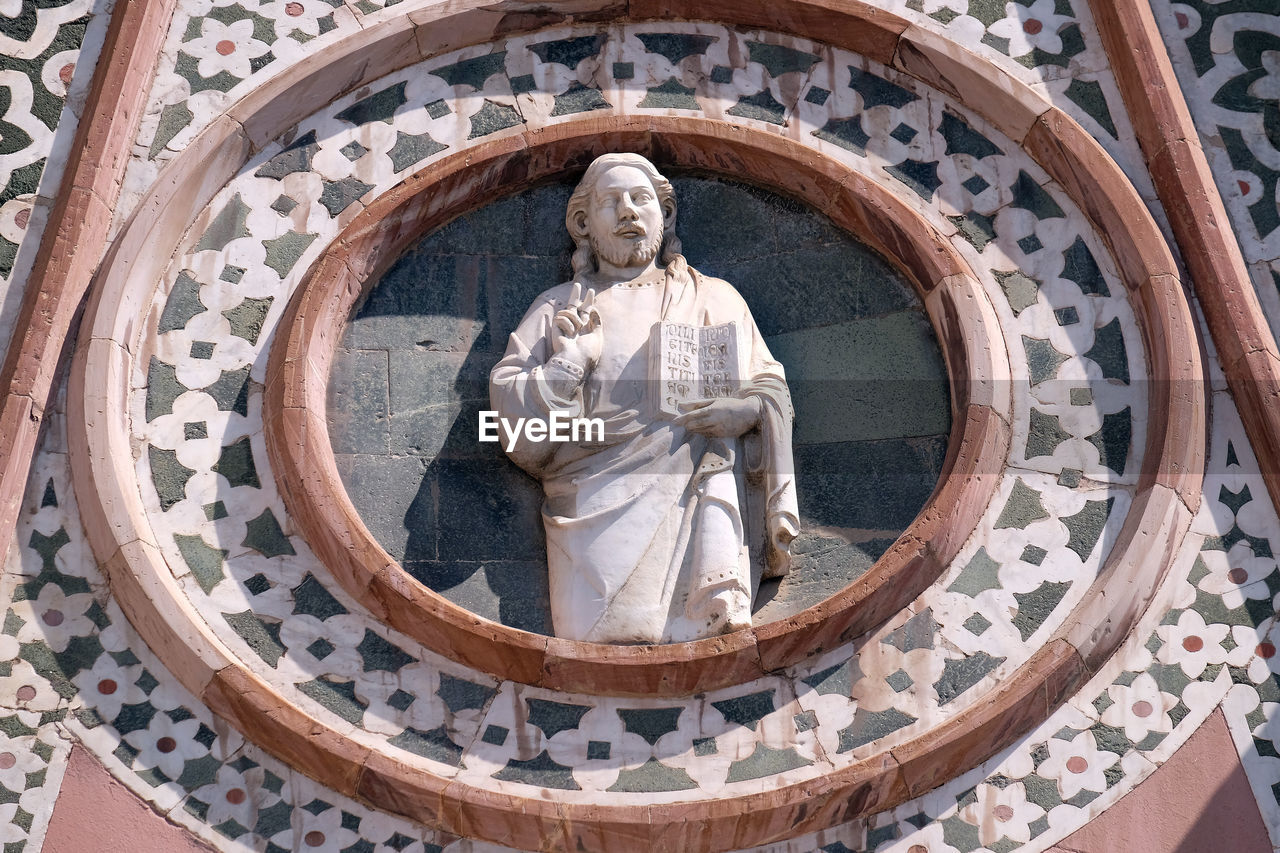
(865, 372)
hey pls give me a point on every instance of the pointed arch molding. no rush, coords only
(1165, 496)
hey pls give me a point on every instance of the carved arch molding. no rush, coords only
(909, 142)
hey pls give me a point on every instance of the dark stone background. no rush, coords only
(866, 377)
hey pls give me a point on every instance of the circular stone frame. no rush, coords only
(294, 407)
(116, 525)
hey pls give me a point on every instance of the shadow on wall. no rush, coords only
(866, 376)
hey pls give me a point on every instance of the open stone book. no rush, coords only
(691, 363)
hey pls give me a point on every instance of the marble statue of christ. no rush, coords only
(659, 532)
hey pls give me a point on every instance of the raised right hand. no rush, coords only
(576, 330)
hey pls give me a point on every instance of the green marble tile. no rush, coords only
(554, 717)
(779, 60)
(411, 149)
(670, 95)
(380, 106)
(765, 761)
(296, 157)
(877, 91)
(491, 118)
(747, 710)
(675, 46)
(183, 304)
(653, 777)
(468, 72)
(959, 675)
(169, 476)
(569, 52)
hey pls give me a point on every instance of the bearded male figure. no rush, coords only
(659, 532)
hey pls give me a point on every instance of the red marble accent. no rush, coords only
(7, 760)
(1142, 708)
(52, 618)
(236, 796)
(771, 814)
(302, 742)
(1237, 576)
(225, 47)
(293, 10)
(76, 236)
(166, 744)
(853, 24)
(939, 62)
(1003, 813)
(875, 784)
(95, 812)
(26, 693)
(1076, 764)
(20, 425)
(1175, 452)
(1153, 531)
(1178, 166)
(22, 217)
(298, 443)
(107, 686)
(1032, 26)
(65, 73)
(1193, 644)
(382, 782)
(1176, 424)
(284, 99)
(1199, 801)
(314, 838)
(1018, 702)
(1266, 651)
(444, 28)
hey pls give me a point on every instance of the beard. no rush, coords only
(622, 252)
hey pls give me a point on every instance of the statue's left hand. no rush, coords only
(728, 417)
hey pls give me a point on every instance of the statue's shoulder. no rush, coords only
(551, 299)
(537, 316)
(718, 292)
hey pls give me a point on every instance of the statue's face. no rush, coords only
(625, 222)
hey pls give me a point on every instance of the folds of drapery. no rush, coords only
(656, 533)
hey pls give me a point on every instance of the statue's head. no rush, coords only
(624, 211)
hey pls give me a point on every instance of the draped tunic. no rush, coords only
(655, 533)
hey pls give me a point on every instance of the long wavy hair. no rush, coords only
(575, 218)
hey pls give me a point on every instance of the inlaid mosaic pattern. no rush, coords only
(1051, 44)
(412, 376)
(42, 88)
(74, 667)
(217, 51)
(228, 537)
(1225, 56)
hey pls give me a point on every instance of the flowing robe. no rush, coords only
(656, 534)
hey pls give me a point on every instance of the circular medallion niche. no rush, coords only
(389, 327)
(217, 499)
(410, 377)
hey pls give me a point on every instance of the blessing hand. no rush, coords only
(727, 417)
(576, 331)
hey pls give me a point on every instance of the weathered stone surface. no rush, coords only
(465, 522)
